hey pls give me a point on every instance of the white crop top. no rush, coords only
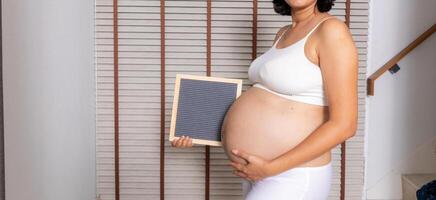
(288, 73)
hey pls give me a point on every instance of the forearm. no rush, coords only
(324, 138)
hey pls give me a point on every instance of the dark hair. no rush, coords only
(282, 8)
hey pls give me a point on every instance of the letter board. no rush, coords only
(199, 107)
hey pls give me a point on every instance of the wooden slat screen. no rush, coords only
(185, 42)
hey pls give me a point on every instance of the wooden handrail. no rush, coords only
(396, 58)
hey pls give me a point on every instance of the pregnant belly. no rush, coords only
(267, 125)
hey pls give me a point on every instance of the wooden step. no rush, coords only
(412, 182)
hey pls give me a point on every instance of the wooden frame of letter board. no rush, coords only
(176, 102)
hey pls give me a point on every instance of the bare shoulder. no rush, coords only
(335, 44)
(334, 29)
(280, 32)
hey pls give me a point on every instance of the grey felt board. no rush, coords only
(202, 107)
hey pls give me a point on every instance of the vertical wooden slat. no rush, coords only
(207, 173)
(208, 73)
(162, 100)
(116, 114)
(343, 145)
(347, 12)
(2, 132)
(254, 35)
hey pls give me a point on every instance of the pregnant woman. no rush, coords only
(279, 133)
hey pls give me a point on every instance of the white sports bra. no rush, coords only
(288, 73)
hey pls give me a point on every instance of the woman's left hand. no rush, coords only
(256, 169)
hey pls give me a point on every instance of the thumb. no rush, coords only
(242, 154)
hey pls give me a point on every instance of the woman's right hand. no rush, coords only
(182, 142)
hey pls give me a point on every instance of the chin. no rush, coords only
(298, 4)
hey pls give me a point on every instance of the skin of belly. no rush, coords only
(267, 125)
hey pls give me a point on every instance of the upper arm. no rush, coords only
(338, 58)
(280, 32)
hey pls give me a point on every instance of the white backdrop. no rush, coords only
(49, 99)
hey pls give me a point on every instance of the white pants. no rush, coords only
(301, 183)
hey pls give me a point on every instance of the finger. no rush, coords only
(234, 165)
(238, 166)
(173, 143)
(176, 141)
(179, 141)
(190, 142)
(240, 174)
(185, 142)
(239, 160)
(242, 154)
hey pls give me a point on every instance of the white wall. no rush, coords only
(49, 99)
(401, 132)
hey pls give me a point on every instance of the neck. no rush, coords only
(303, 15)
